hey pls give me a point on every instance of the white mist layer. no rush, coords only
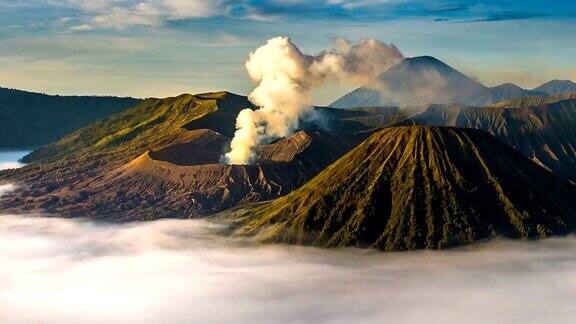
(9, 159)
(174, 271)
(5, 188)
(286, 77)
(10, 165)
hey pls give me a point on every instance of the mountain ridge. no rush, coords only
(534, 100)
(149, 156)
(415, 187)
(427, 80)
(556, 87)
(544, 133)
(29, 119)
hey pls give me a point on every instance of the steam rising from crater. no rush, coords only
(286, 77)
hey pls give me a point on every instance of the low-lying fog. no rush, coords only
(9, 159)
(176, 271)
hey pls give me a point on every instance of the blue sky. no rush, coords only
(167, 47)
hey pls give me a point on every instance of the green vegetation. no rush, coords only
(151, 125)
(70, 165)
(414, 187)
(161, 159)
(156, 123)
(32, 119)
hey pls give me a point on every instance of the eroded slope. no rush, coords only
(545, 133)
(414, 187)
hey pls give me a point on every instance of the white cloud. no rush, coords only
(195, 8)
(255, 15)
(118, 17)
(122, 14)
(83, 27)
(92, 5)
(176, 271)
(354, 4)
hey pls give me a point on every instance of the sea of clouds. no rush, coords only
(55, 270)
(9, 159)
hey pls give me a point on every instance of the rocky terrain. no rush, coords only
(161, 159)
(545, 133)
(187, 179)
(415, 187)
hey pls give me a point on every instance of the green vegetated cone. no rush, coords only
(415, 187)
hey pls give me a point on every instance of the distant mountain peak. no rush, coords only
(414, 81)
(555, 87)
(425, 80)
(425, 59)
(509, 85)
(427, 62)
(556, 81)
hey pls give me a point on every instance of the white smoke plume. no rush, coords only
(286, 77)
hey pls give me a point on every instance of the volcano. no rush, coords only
(187, 179)
(425, 80)
(417, 187)
(162, 159)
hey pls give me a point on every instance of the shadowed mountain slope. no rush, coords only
(30, 119)
(534, 100)
(414, 187)
(356, 119)
(557, 87)
(545, 134)
(500, 93)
